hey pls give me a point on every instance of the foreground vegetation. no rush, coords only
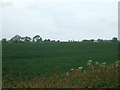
(95, 75)
(54, 64)
(37, 59)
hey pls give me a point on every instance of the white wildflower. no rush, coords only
(67, 73)
(89, 62)
(96, 63)
(116, 65)
(72, 69)
(80, 68)
(113, 66)
(104, 63)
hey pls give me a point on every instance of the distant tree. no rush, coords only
(92, 40)
(72, 41)
(100, 40)
(37, 38)
(58, 41)
(47, 40)
(27, 39)
(69, 41)
(110, 40)
(16, 38)
(22, 39)
(114, 39)
(53, 41)
(107, 40)
(85, 40)
(4, 40)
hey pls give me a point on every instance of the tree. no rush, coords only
(85, 40)
(114, 39)
(4, 40)
(22, 39)
(92, 40)
(69, 41)
(47, 40)
(16, 38)
(100, 40)
(27, 39)
(37, 38)
(58, 40)
(53, 41)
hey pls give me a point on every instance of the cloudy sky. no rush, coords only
(59, 19)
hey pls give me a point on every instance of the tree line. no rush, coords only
(38, 38)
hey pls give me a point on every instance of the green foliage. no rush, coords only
(114, 39)
(37, 38)
(4, 40)
(38, 59)
(95, 75)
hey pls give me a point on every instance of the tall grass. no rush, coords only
(38, 59)
(95, 75)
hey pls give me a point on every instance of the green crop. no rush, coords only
(39, 59)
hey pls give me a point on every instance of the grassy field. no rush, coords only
(37, 59)
(96, 75)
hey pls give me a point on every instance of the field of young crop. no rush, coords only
(95, 75)
(37, 59)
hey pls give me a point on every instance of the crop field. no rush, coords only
(37, 59)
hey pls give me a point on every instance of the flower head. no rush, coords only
(89, 62)
(67, 73)
(116, 65)
(80, 68)
(96, 63)
(104, 63)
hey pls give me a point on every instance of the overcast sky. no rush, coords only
(60, 20)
